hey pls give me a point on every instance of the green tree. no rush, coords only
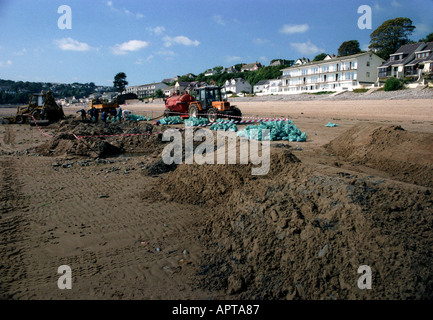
(348, 48)
(393, 84)
(428, 38)
(120, 82)
(159, 93)
(320, 57)
(390, 36)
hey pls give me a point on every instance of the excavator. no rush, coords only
(205, 101)
(42, 106)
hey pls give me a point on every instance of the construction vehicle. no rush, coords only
(208, 101)
(42, 106)
(102, 106)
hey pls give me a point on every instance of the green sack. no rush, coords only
(171, 120)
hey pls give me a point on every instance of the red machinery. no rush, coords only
(178, 105)
(207, 101)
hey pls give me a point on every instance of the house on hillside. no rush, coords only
(335, 74)
(181, 86)
(281, 62)
(302, 61)
(237, 85)
(261, 86)
(195, 85)
(210, 72)
(170, 80)
(232, 69)
(411, 60)
(168, 91)
(251, 67)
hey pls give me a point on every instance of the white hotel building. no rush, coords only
(331, 74)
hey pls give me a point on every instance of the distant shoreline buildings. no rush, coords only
(333, 73)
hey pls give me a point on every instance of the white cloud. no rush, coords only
(306, 48)
(365, 47)
(260, 41)
(423, 28)
(169, 41)
(395, 4)
(69, 44)
(137, 15)
(5, 64)
(377, 7)
(219, 20)
(263, 59)
(129, 46)
(233, 58)
(20, 52)
(157, 30)
(166, 53)
(294, 28)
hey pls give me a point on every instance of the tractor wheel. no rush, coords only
(193, 111)
(237, 114)
(20, 119)
(212, 115)
(36, 115)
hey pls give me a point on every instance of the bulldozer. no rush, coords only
(206, 101)
(42, 106)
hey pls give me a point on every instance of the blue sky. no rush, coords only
(151, 40)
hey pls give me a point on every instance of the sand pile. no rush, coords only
(213, 183)
(406, 156)
(117, 139)
(298, 234)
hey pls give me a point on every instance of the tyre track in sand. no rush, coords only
(13, 228)
(117, 245)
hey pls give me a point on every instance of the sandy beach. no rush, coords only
(130, 227)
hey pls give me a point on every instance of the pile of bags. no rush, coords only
(171, 120)
(224, 125)
(273, 130)
(135, 117)
(192, 122)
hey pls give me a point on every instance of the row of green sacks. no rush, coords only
(277, 130)
(132, 117)
(274, 130)
(135, 117)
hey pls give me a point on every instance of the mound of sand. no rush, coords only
(101, 140)
(213, 183)
(300, 234)
(405, 156)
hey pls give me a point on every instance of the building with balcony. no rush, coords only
(409, 61)
(147, 90)
(332, 74)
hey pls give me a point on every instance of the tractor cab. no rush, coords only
(207, 95)
(37, 100)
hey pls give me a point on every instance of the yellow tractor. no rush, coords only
(42, 106)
